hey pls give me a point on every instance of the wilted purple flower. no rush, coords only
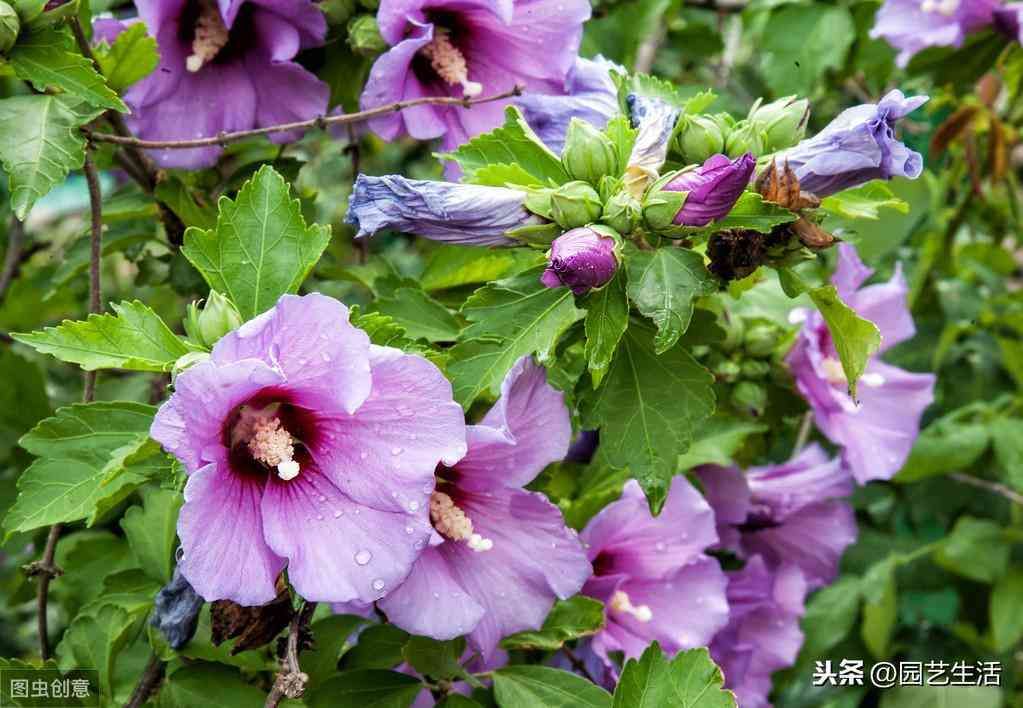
(591, 95)
(856, 147)
(913, 25)
(224, 66)
(763, 633)
(1007, 20)
(787, 513)
(176, 610)
(583, 447)
(581, 259)
(878, 431)
(306, 446)
(499, 555)
(652, 575)
(468, 214)
(654, 121)
(465, 48)
(713, 188)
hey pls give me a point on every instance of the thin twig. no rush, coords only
(320, 122)
(12, 257)
(647, 51)
(353, 152)
(994, 487)
(804, 432)
(291, 681)
(147, 684)
(45, 568)
(577, 663)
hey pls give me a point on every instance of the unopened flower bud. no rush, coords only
(575, 204)
(217, 317)
(783, 122)
(761, 340)
(755, 369)
(10, 26)
(588, 154)
(582, 259)
(743, 138)
(621, 212)
(713, 188)
(699, 137)
(750, 398)
(364, 36)
(727, 370)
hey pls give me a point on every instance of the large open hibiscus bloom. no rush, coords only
(309, 447)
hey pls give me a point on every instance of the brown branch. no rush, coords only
(47, 571)
(321, 122)
(994, 487)
(147, 684)
(291, 681)
(12, 257)
(352, 150)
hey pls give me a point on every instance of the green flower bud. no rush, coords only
(660, 206)
(217, 317)
(727, 371)
(621, 212)
(783, 122)
(699, 137)
(588, 154)
(338, 12)
(734, 328)
(10, 25)
(745, 137)
(750, 398)
(575, 204)
(761, 340)
(364, 36)
(755, 369)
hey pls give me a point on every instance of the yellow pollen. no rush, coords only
(450, 521)
(620, 602)
(450, 64)
(833, 371)
(267, 440)
(210, 36)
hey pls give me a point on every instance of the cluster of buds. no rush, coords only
(744, 362)
(769, 127)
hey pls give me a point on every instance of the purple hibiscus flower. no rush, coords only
(225, 65)
(591, 95)
(713, 188)
(581, 259)
(464, 48)
(877, 431)
(1007, 20)
(787, 513)
(857, 146)
(467, 214)
(306, 445)
(762, 635)
(499, 555)
(652, 575)
(911, 26)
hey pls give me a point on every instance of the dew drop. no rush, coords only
(338, 514)
(378, 584)
(396, 450)
(363, 557)
(409, 530)
(363, 455)
(413, 506)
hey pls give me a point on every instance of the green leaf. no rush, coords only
(39, 145)
(663, 285)
(261, 247)
(942, 697)
(690, 680)
(331, 635)
(717, 441)
(607, 318)
(151, 530)
(48, 57)
(75, 260)
(524, 685)
(514, 143)
(379, 647)
(647, 410)
(455, 266)
(23, 400)
(73, 447)
(1007, 435)
(579, 616)
(95, 641)
(864, 202)
(506, 176)
(801, 42)
(510, 319)
(623, 136)
(949, 444)
(367, 688)
(420, 315)
(976, 549)
(434, 658)
(131, 57)
(880, 608)
(830, 615)
(205, 684)
(1006, 619)
(751, 212)
(855, 338)
(135, 338)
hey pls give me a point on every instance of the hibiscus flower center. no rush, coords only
(620, 602)
(942, 7)
(269, 443)
(835, 374)
(451, 522)
(211, 35)
(449, 63)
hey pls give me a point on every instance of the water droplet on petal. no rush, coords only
(413, 506)
(363, 557)
(338, 514)
(396, 450)
(363, 455)
(378, 584)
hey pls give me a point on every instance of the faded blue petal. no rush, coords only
(443, 211)
(654, 120)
